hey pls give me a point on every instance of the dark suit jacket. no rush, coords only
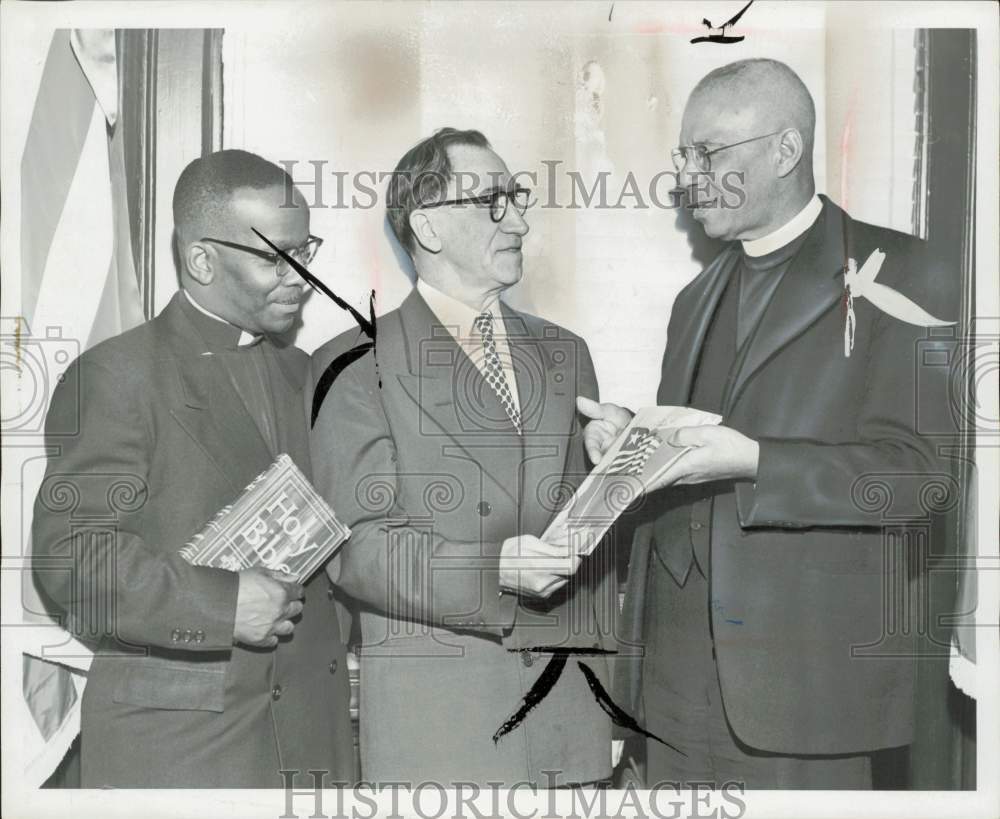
(808, 567)
(164, 443)
(419, 459)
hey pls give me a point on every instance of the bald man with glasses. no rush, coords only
(759, 573)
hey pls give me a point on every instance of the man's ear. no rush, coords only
(790, 150)
(199, 262)
(424, 233)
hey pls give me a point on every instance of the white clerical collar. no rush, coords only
(457, 316)
(788, 232)
(245, 337)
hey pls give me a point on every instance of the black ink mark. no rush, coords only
(538, 692)
(341, 362)
(722, 37)
(335, 368)
(547, 681)
(618, 715)
(611, 11)
(586, 652)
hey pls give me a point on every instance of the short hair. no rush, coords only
(771, 82)
(206, 186)
(422, 176)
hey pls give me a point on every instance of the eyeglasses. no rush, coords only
(497, 200)
(303, 254)
(700, 155)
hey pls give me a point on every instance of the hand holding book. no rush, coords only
(638, 453)
(267, 604)
(276, 534)
(715, 453)
(278, 522)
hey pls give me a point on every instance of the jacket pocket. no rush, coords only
(173, 685)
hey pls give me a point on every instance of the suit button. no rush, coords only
(483, 508)
(527, 659)
(329, 592)
(333, 666)
(695, 526)
(199, 636)
(175, 635)
(276, 693)
(188, 634)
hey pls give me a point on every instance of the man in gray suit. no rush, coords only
(447, 452)
(202, 677)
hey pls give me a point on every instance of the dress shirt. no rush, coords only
(459, 320)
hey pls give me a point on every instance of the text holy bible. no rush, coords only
(278, 522)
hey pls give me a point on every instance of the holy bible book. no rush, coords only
(278, 522)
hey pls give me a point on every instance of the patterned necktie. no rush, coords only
(494, 370)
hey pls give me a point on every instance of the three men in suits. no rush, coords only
(202, 677)
(447, 452)
(758, 583)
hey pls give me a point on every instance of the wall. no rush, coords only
(354, 86)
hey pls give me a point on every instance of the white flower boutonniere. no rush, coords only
(861, 283)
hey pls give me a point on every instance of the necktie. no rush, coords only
(494, 370)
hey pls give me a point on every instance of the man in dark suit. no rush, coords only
(758, 584)
(447, 453)
(202, 677)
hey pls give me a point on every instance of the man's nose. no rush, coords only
(514, 222)
(291, 277)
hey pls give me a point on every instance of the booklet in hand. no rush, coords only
(278, 522)
(638, 458)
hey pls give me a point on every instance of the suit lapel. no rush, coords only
(291, 419)
(213, 414)
(812, 284)
(545, 369)
(453, 396)
(688, 329)
(542, 369)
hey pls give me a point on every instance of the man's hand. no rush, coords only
(531, 566)
(265, 606)
(607, 422)
(719, 453)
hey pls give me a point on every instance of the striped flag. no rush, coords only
(635, 452)
(78, 285)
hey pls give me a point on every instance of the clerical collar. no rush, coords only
(245, 339)
(787, 233)
(454, 314)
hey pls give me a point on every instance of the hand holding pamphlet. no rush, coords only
(639, 457)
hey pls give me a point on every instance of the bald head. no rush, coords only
(767, 94)
(756, 122)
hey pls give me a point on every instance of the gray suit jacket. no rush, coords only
(164, 443)
(416, 454)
